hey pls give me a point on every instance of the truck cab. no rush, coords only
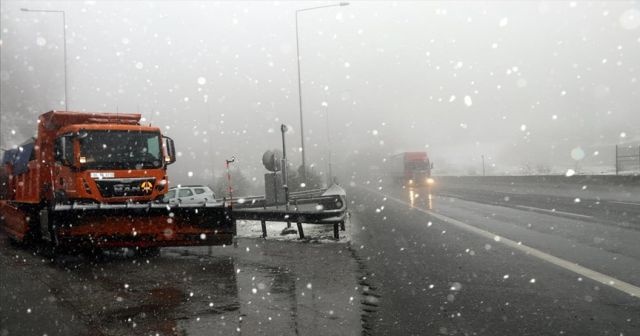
(111, 163)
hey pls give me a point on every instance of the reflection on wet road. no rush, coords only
(420, 197)
(261, 287)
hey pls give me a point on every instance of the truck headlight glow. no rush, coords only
(430, 181)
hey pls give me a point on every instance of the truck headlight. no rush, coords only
(410, 181)
(430, 181)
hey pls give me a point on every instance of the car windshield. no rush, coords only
(169, 195)
(120, 150)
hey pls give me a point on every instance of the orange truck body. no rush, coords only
(97, 179)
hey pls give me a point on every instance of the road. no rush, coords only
(261, 287)
(506, 262)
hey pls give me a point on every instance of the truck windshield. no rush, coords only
(120, 150)
(418, 165)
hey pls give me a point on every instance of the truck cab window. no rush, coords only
(64, 150)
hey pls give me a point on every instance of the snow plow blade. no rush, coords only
(139, 225)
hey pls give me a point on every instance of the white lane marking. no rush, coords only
(553, 211)
(628, 203)
(570, 266)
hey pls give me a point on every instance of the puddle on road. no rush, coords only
(261, 287)
(288, 289)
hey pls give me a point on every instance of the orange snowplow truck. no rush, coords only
(97, 180)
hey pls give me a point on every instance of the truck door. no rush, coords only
(63, 181)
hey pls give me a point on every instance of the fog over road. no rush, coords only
(451, 270)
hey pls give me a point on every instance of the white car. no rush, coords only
(190, 194)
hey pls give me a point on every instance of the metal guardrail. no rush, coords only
(321, 206)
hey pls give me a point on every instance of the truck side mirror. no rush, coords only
(170, 150)
(59, 150)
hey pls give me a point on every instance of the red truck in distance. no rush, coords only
(411, 169)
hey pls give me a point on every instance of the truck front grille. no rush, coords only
(125, 186)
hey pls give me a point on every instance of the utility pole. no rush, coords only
(330, 177)
(617, 160)
(285, 185)
(233, 158)
(303, 152)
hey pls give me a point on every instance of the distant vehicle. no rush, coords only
(190, 194)
(410, 169)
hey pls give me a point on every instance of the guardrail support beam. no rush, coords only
(300, 230)
(263, 223)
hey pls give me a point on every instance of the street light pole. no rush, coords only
(330, 180)
(304, 162)
(64, 38)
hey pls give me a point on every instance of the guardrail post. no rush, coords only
(263, 223)
(300, 230)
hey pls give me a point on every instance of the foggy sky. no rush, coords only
(520, 83)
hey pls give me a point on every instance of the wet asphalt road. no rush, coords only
(259, 288)
(436, 278)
